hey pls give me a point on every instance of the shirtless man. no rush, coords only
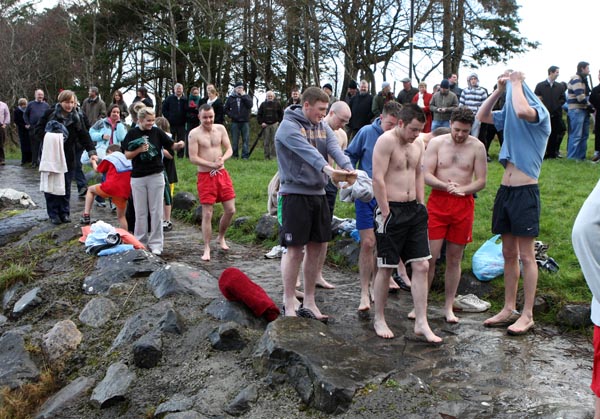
(455, 168)
(526, 124)
(401, 217)
(209, 148)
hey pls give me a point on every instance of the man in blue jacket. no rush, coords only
(303, 142)
(238, 107)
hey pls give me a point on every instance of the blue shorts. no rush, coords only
(364, 214)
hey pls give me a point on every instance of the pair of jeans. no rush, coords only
(242, 128)
(579, 131)
(436, 124)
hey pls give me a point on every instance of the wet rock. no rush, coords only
(235, 312)
(177, 403)
(3, 319)
(541, 305)
(227, 337)
(147, 350)
(114, 386)
(16, 367)
(13, 227)
(12, 199)
(241, 403)
(120, 288)
(10, 295)
(141, 323)
(574, 315)
(120, 268)
(267, 227)
(172, 322)
(179, 278)
(189, 414)
(65, 235)
(54, 406)
(240, 221)
(61, 340)
(469, 284)
(325, 369)
(184, 201)
(28, 301)
(349, 250)
(97, 312)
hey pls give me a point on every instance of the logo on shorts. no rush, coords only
(288, 237)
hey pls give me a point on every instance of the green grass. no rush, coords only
(13, 273)
(564, 185)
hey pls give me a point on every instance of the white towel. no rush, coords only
(53, 165)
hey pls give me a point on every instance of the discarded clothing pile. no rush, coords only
(543, 260)
(236, 286)
(103, 239)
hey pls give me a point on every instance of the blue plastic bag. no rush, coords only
(488, 262)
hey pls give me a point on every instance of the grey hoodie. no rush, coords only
(302, 149)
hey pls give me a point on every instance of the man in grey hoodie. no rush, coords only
(303, 142)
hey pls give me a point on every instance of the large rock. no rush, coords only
(114, 387)
(324, 369)
(118, 268)
(54, 406)
(233, 311)
(349, 250)
(140, 323)
(184, 201)
(12, 199)
(188, 414)
(574, 315)
(28, 301)
(179, 278)
(267, 227)
(13, 227)
(61, 340)
(172, 322)
(10, 295)
(16, 367)
(97, 312)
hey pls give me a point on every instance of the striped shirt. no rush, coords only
(577, 93)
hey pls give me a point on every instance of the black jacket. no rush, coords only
(238, 107)
(175, 109)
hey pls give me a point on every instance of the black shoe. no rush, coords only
(82, 191)
(65, 218)
(55, 220)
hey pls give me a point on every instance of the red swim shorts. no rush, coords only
(595, 386)
(450, 217)
(215, 187)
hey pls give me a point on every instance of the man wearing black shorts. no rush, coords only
(526, 124)
(303, 142)
(401, 217)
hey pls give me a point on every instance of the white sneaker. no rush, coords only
(275, 252)
(470, 303)
(156, 252)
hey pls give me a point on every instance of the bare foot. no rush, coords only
(393, 285)
(427, 333)
(321, 283)
(222, 243)
(382, 330)
(206, 256)
(503, 319)
(293, 307)
(411, 315)
(365, 302)
(315, 310)
(521, 326)
(451, 318)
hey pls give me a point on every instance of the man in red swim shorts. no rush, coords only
(455, 167)
(209, 147)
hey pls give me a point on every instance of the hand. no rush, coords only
(452, 188)
(144, 147)
(263, 125)
(94, 159)
(219, 163)
(348, 176)
(106, 137)
(517, 76)
(27, 126)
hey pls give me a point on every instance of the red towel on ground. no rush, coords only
(236, 286)
(126, 236)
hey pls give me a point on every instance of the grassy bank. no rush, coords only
(564, 186)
